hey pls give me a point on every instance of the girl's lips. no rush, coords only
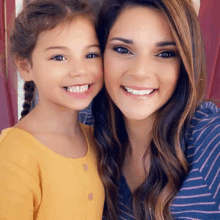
(81, 95)
(84, 84)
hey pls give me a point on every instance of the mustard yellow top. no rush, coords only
(37, 183)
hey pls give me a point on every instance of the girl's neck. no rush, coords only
(45, 118)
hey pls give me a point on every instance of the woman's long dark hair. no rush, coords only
(168, 166)
(38, 16)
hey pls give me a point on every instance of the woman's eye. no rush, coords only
(59, 58)
(122, 50)
(167, 54)
(92, 55)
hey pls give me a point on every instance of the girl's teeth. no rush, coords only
(78, 89)
(139, 92)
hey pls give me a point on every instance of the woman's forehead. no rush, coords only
(144, 24)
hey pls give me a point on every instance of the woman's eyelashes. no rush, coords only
(164, 54)
(167, 54)
(122, 50)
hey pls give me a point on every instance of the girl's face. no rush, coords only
(141, 62)
(67, 65)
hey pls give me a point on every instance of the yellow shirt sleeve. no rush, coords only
(38, 184)
(19, 182)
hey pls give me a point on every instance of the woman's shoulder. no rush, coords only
(206, 114)
(204, 131)
(203, 145)
(204, 124)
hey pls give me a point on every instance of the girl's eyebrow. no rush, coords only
(158, 44)
(66, 48)
(56, 47)
(93, 45)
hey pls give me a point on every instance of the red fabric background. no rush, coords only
(8, 94)
(209, 17)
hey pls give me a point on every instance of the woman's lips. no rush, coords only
(138, 92)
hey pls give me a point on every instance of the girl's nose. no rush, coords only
(78, 69)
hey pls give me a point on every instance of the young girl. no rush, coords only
(160, 143)
(48, 161)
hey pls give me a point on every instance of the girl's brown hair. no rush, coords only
(168, 166)
(38, 16)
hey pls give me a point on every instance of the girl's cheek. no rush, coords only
(99, 75)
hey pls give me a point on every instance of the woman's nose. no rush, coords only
(142, 67)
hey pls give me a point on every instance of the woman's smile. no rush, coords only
(141, 62)
(138, 93)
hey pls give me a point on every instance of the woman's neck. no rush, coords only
(139, 134)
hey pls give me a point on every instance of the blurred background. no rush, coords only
(11, 85)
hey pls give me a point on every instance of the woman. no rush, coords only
(159, 141)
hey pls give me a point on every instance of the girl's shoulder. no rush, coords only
(89, 134)
(17, 143)
(17, 152)
(16, 136)
(88, 129)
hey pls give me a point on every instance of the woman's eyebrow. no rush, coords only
(165, 43)
(158, 44)
(127, 41)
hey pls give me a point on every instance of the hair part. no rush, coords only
(168, 166)
(36, 17)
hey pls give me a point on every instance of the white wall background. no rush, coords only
(20, 81)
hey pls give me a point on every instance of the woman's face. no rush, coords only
(141, 62)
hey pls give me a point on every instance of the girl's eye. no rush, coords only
(91, 55)
(122, 50)
(167, 54)
(59, 58)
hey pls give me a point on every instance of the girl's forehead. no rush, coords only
(77, 28)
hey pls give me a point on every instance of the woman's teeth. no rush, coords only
(139, 92)
(77, 89)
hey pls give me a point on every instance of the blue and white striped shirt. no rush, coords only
(199, 196)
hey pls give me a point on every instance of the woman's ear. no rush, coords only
(24, 68)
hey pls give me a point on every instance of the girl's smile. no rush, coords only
(67, 65)
(79, 91)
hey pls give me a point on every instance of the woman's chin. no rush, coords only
(137, 116)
